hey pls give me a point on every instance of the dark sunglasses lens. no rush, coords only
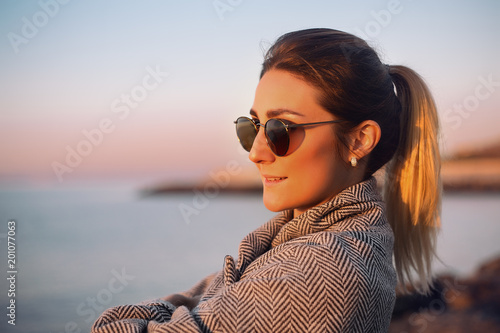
(246, 132)
(277, 136)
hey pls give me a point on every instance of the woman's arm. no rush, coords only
(303, 288)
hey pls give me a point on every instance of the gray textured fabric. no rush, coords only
(328, 270)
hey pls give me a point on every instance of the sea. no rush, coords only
(79, 251)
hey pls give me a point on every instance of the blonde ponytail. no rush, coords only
(413, 185)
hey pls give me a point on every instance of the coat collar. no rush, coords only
(352, 201)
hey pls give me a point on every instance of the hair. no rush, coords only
(356, 86)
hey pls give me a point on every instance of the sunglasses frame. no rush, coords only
(286, 126)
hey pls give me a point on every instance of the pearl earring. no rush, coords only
(354, 161)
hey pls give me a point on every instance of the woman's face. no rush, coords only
(312, 171)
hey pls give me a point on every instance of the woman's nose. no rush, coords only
(260, 152)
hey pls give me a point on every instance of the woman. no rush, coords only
(327, 114)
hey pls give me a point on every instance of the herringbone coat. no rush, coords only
(328, 270)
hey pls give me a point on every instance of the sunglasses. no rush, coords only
(276, 130)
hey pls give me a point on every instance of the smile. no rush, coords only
(271, 180)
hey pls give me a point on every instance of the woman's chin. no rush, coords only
(274, 204)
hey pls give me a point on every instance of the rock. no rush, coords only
(236, 180)
(454, 305)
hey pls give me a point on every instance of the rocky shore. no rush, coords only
(471, 174)
(474, 175)
(468, 170)
(473, 169)
(456, 304)
(458, 175)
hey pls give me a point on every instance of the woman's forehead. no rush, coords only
(280, 93)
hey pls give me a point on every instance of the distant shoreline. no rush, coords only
(461, 175)
(471, 175)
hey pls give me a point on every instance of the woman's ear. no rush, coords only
(364, 138)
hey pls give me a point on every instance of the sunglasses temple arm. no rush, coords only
(311, 124)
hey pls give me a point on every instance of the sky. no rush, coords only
(148, 90)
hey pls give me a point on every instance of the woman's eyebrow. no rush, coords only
(278, 112)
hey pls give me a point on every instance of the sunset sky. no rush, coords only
(148, 90)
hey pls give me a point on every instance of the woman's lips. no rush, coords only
(273, 180)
